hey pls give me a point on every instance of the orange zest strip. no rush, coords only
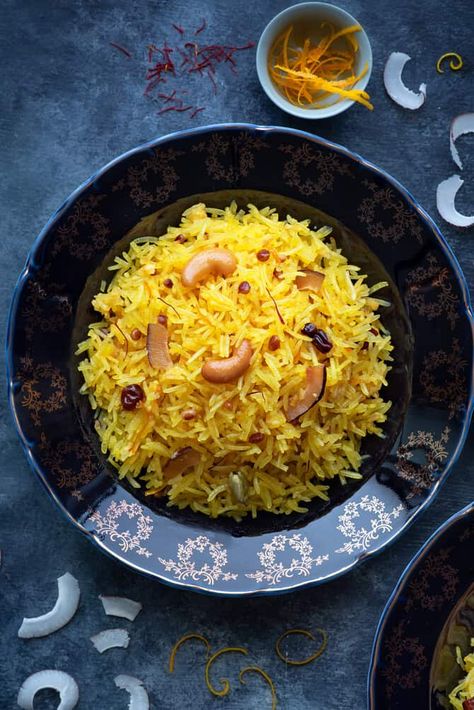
(455, 63)
(225, 683)
(183, 639)
(265, 676)
(308, 634)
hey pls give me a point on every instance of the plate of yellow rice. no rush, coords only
(240, 359)
(423, 652)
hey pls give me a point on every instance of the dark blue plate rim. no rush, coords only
(202, 130)
(398, 590)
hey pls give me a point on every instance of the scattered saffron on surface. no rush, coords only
(167, 97)
(177, 108)
(180, 60)
(201, 27)
(124, 50)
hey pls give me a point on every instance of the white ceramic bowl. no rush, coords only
(310, 13)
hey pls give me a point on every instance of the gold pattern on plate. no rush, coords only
(322, 169)
(430, 291)
(45, 308)
(77, 241)
(43, 388)
(422, 476)
(396, 649)
(159, 165)
(399, 220)
(450, 387)
(242, 148)
(83, 466)
(434, 584)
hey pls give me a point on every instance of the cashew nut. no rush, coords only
(230, 368)
(211, 261)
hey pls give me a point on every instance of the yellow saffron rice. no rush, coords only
(293, 462)
(464, 690)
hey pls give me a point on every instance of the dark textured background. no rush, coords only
(69, 103)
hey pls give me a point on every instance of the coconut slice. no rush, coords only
(396, 89)
(459, 127)
(311, 281)
(62, 682)
(62, 612)
(314, 390)
(445, 198)
(157, 346)
(121, 606)
(111, 638)
(180, 462)
(133, 686)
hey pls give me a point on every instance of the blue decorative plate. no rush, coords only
(377, 223)
(429, 614)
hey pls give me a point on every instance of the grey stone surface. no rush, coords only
(69, 104)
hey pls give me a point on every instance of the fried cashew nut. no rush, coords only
(230, 368)
(212, 262)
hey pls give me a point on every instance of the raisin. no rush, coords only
(131, 397)
(321, 341)
(244, 287)
(309, 329)
(189, 414)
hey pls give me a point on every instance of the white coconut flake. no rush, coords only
(445, 197)
(138, 695)
(121, 606)
(62, 612)
(62, 682)
(111, 638)
(396, 89)
(459, 127)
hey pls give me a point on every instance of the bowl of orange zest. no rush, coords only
(314, 61)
